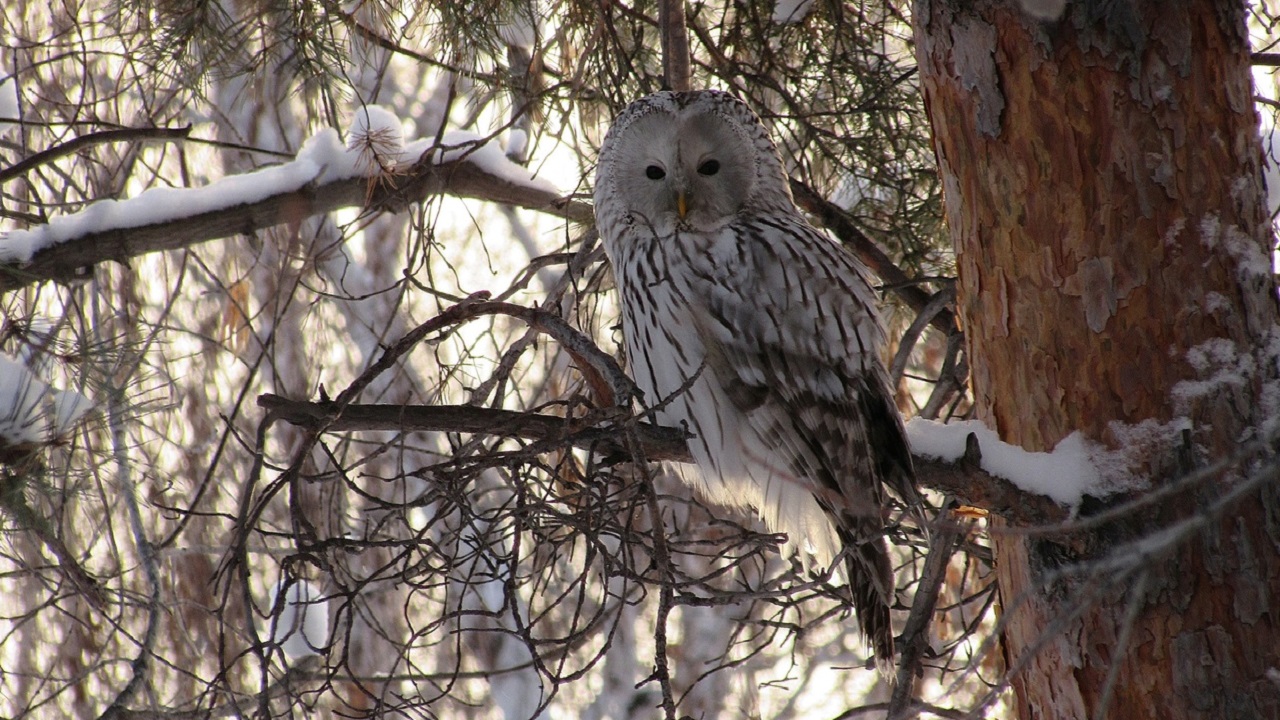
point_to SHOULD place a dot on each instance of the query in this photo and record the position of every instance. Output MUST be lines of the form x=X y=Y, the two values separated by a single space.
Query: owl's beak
x=682 y=205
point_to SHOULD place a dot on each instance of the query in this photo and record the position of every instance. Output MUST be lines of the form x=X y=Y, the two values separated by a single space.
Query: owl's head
x=690 y=160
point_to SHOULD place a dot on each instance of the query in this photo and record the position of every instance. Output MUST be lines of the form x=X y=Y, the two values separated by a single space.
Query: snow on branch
x=32 y=413
x=1065 y=475
x=376 y=173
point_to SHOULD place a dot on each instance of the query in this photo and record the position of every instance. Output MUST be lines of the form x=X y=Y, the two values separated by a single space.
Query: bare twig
x=936 y=304
x=952 y=378
x=1137 y=600
x=140 y=666
x=81 y=142
x=915 y=635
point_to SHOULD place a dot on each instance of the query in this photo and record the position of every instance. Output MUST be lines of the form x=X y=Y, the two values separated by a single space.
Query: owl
x=756 y=333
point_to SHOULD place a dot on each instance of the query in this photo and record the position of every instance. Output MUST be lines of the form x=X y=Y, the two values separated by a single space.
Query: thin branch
x=140 y=666
x=915 y=635
x=838 y=222
x=99 y=138
x=936 y=304
x=660 y=443
x=1137 y=601
x=375 y=38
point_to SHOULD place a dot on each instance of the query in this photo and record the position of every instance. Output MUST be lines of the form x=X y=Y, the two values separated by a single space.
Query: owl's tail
x=871 y=585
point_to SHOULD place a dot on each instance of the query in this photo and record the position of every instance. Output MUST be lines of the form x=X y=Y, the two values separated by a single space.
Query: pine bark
x=1103 y=185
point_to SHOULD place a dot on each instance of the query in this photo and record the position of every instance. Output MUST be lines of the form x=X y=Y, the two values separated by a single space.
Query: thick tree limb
x=460 y=178
x=969 y=485
x=976 y=488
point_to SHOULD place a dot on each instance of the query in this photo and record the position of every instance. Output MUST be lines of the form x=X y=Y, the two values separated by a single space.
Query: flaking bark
x=1104 y=192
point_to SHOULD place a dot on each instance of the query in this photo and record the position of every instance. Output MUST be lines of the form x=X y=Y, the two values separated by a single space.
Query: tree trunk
x=1104 y=191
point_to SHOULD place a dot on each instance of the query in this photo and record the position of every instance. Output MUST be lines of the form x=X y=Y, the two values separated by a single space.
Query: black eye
x=653 y=172
x=709 y=167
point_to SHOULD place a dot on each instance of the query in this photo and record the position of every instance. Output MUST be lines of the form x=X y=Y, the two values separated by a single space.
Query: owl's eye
x=709 y=167
x=653 y=172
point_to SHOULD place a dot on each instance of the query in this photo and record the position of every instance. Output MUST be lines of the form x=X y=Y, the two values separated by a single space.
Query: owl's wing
x=793 y=338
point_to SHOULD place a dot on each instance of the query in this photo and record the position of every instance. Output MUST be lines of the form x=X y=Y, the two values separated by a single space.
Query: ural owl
x=756 y=332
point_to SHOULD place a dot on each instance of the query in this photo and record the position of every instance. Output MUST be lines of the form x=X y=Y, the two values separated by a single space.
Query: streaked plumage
x=724 y=281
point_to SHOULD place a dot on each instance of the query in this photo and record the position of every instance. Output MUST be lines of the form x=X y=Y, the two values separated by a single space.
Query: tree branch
x=659 y=443
x=976 y=488
x=83 y=141
x=838 y=222
x=969 y=485
x=915 y=634
x=64 y=262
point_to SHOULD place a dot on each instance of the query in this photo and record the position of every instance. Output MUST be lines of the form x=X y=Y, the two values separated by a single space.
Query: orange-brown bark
x=1103 y=188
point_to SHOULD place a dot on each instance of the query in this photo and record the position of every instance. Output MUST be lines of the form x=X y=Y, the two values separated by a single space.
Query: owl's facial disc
x=713 y=181
x=688 y=176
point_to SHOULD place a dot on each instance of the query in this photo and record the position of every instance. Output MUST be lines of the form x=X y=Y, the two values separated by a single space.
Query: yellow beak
x=682 y=205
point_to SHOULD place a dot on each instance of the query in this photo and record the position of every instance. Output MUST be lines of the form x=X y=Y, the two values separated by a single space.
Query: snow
x=787 y=12
x=30 y=410
x=1065 y=475
x=488 y=156
x=1216 y=303
x=302 y=627
x=1252 y=263
x=1219 y=365
x=375 y=120
x=8 y=104
x=377 y=145
x=1137 y=445
x=517 y=144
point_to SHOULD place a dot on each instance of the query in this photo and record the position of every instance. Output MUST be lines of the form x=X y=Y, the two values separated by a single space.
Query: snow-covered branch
x=325 y=176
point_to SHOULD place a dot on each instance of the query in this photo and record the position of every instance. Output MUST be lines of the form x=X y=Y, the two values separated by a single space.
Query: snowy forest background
x=225 y=221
